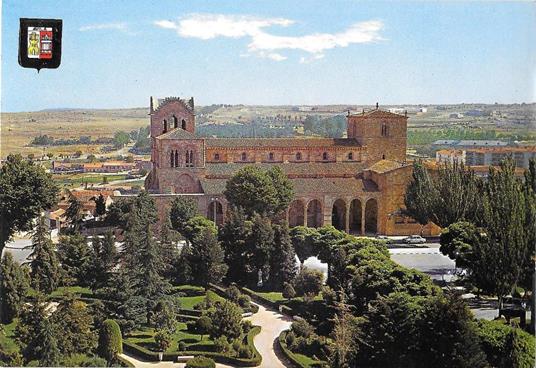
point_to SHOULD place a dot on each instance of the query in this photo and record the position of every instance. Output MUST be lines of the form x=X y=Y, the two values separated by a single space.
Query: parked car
x=385 y=238
x=415 y=239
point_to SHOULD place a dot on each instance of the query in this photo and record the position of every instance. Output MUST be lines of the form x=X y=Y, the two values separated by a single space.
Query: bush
x=200 y=362
x=288 y=291
x=203 y=325
x=163 y=340
x=222 y=345
x=302 y=328
x=246 y=326
x=226 y=320
x=82 y=360
x=244 y=301
x=308 y=282
x=290 y=338
x=506 y=346
x=191 y=326
x=245 y=352
x=237 y=345
x=110 y=340
x=233 y=293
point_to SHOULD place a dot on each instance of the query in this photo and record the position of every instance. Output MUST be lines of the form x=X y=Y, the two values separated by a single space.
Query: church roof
x=280 y=142
x=303 y=169
x=303 y=186
x=377 y=113
x=384 y=166
x=178 y=133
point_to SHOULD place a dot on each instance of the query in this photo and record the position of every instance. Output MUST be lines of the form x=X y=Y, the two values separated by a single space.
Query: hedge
x=285 y=309
x=291 y=357
x=149 y=355
x=200 y=362
x=110 y=340
x=124 y=362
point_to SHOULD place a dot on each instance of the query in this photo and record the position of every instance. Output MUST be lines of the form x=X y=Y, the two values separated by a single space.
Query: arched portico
x=338 y=214
x=371 y=216
x=314 y=214
x=355 y=217
x=215 y=212
x=185 y=184
x=296 y=213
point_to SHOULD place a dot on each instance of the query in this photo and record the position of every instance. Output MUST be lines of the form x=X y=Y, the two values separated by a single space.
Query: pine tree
x=36 y=333
x=44 y=265
x=261 y=245
x=100 y=205
x=234 y=236
x=206 y=259
x=182 y=210
x=74 y=214
x=420 y=195
x=75 y=257
x=73 y=319
x=13 y=289
x=149 y=267
x=283 y=258
x=168 y=246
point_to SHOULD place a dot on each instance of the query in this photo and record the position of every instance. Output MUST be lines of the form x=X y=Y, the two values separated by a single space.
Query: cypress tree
x=207 y=259
x=234 y=236
x=76 y=258
x=261 y=245
x=283 y=259
x=14 y=287
x=44 y=265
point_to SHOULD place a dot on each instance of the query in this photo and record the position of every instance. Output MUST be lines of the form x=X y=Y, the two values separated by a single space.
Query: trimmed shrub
x=181 y=346
x=302 y=328
x=244 y=301
x=191 y=326
x=222 y=345
x=203 y=325
x=110 y=340
x=245 y=352
x=162 y=339
x=506 y=346
x=200 y=362
x=246 y=326
x=233 y=293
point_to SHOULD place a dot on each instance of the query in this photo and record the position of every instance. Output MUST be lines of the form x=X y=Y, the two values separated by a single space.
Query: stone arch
x=355 y=216
x=215 y=212
x=338 y=214
x=371 y=216
x=314 y=213
x=165 y=126
x=183 y=124
x=185 y=184
x=175 y=122
x=296 y=213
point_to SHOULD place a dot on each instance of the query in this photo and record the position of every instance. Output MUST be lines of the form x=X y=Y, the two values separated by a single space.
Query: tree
x=234 y=236
x=36 y=333
x=283 y=258
x=226 y=320
x=182 y=210
x=420 y=195
x=118 y=213
x=261 y=245
x=256 y=191
x=206 y=258
x=44 y=265
x=288 y=291
x=163 y=339
x=345 y=336
x=164 y=317
x=110 y=341
x=104 y=260
x=302 y=238
x=74 y=213
x=14 y=287
x=308 y=282
x=457 y=242
x=121 y=139
x=100 y=205
x=507 y=246
x=168 y=238
x=25 y=190
x=197 y=225
x=73 y=319
x=76 y=258
x=203 y=325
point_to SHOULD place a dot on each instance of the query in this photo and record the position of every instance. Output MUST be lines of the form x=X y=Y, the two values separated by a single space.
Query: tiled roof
x=177 y=133
x=302 y=186
x=280 y=142
x=377 y=113
x=383 y=166
x=317 y=169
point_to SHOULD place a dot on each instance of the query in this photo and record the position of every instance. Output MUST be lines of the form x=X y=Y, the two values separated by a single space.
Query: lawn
x=64 y=290
x=145 y=338
x=7 y=339
x=188 y=302
x=277 y=297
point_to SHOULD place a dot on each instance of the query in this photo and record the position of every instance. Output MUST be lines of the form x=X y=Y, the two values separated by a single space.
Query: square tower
x=382 y=132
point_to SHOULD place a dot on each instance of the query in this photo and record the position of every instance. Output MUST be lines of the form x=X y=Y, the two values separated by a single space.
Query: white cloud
x=266 y=45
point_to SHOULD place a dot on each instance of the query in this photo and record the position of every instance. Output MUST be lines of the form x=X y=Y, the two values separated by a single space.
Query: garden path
x=272 y=323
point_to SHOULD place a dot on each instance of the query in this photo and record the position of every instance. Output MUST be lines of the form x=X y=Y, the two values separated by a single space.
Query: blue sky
x=118 y=53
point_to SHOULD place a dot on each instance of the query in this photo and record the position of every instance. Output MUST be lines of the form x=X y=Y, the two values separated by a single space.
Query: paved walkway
x=272 y=324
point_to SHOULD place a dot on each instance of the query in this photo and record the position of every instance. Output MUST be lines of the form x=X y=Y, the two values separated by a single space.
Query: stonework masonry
x=356 y=183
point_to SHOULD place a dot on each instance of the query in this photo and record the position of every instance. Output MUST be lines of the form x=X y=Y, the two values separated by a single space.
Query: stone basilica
x=356 y=183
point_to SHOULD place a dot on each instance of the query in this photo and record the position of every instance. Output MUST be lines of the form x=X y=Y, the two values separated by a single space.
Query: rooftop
x=280 y=142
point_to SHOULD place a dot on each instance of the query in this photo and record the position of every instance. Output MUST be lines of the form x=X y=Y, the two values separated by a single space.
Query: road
x=427 y=258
